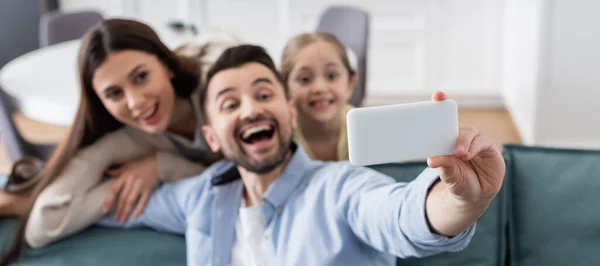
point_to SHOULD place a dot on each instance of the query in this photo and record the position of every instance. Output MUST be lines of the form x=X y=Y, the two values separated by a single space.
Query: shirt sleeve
x=390 y=216
x=164 y=211
x=170 y=205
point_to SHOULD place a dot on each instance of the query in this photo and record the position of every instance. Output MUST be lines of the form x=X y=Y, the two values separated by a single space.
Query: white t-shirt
x=249 y=232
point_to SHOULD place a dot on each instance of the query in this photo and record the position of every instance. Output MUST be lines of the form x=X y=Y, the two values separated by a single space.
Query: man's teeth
x=255 y=129
x=148 y=113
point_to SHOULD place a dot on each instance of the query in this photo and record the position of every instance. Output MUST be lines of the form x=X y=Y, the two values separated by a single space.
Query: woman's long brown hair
x=92 y=120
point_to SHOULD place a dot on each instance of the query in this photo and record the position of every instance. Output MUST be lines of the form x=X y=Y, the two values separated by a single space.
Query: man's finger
x=464 y=140
x=439 y=96
x=479 y=145
x=109 y=201
x=446 y=167
x=440 y=161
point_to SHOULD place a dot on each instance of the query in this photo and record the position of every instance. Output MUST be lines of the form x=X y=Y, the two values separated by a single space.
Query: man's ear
x=293 y=113
x=210 y=137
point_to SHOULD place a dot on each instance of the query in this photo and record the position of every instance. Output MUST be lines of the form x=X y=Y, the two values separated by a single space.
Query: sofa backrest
x=547 y=213
x=554 y=206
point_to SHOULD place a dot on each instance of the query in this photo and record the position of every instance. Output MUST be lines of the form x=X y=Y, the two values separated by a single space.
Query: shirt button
x=262 y=202
x=266 y=236
x=279 y=208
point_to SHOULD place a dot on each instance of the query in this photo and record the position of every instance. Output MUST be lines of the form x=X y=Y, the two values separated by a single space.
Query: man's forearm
x=448 y=216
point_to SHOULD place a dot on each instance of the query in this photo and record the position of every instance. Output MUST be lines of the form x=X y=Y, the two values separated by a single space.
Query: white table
x=45 y=85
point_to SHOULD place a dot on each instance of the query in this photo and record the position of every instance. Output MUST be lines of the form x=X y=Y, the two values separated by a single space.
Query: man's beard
x=244 y=160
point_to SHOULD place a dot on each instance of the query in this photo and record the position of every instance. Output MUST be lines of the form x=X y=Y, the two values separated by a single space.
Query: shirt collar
x=280 y=190
x=289 y=180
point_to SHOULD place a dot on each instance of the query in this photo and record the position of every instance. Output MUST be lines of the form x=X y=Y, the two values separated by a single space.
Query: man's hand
x=470 y=179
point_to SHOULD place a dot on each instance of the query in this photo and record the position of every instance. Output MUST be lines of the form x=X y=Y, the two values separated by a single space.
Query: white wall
x=416 y=46
x=520 y=64
x=568 y=101
x=539 y=58
x=551 y=71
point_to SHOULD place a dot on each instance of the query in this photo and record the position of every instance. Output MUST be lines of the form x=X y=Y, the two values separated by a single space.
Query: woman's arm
x=173 y=167
x=137 y=179
x=77 y=198
x=170 y=164
x=74 y=200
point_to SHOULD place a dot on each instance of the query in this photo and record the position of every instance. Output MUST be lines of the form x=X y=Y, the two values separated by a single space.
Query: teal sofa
x=547 y=213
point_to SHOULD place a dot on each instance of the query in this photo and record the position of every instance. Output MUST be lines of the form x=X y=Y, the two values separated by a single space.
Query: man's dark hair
x=236 y=57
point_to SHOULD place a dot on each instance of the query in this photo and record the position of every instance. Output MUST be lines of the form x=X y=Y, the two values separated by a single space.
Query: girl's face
x=135 y=87
x=319 y=83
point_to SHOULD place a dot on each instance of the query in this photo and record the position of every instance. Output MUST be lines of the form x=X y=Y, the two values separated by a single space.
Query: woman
x=138 y=111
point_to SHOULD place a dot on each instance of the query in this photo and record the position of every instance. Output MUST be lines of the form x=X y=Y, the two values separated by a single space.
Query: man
x=269 y=204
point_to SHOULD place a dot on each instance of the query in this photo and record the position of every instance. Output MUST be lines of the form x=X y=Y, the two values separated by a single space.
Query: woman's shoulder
x=113 y=138
x=114 y=141
x=158 y=140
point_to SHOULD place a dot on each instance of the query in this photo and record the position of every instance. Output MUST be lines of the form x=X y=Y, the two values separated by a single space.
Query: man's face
x=249 y=118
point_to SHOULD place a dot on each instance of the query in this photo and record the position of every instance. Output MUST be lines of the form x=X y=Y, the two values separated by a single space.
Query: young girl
x=139 y=110
x=320 y=80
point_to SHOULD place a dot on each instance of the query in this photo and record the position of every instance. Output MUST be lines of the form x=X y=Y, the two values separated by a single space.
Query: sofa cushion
x=554 y=207
x=488 y=246
x=104 y=246
x=109 y=246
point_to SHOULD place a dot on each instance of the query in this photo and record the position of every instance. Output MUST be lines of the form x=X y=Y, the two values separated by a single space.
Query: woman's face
x=136 y=89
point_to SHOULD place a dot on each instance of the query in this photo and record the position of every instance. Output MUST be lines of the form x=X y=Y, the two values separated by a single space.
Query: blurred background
x=522 y=71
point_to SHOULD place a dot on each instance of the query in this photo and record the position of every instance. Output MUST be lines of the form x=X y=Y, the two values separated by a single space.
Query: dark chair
x=57 y=27
x=13 y=142
x=352 y=27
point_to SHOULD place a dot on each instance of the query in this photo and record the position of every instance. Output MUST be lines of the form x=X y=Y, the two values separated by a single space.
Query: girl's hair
x=298 y=43
x=92 y=120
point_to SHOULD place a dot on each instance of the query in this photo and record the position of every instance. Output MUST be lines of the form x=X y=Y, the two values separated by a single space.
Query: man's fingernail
x=460 y=148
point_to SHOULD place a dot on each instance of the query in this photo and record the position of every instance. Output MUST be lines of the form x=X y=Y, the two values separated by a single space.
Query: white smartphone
x=402 y=132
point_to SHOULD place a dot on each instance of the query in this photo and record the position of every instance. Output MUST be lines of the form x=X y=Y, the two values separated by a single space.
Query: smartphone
x=402 y=132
